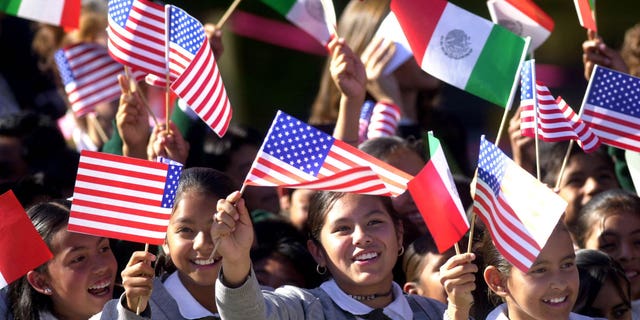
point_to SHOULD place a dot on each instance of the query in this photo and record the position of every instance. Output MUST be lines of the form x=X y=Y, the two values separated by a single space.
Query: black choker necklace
x=372 y=296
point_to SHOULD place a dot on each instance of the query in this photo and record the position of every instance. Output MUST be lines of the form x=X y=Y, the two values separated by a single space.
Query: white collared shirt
x=500 y=313
x=398 y=309
x=188 y=306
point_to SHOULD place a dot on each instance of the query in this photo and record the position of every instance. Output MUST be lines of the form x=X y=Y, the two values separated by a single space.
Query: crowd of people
x=279 y=253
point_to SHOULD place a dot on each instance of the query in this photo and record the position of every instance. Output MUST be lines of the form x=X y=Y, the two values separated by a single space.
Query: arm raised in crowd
x=132 y=121
x=168 y=144
x=595 y=51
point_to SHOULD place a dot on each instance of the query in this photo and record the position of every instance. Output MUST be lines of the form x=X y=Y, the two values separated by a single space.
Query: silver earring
x=401 y=251
x=47 y=291
x=321 y=270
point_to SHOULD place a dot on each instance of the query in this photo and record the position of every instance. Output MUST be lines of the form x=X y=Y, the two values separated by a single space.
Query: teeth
x=100 y=285
x=631 y=274
x=203 y=262
x=556 y=300
x=366 y=256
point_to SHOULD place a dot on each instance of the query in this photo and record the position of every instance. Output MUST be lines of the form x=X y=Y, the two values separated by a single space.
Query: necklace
x=372 y=296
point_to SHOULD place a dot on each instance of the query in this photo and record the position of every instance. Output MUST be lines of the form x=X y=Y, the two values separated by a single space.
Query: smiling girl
x=184 y=287
x=548 y=290
x=356 y=239
x=76 y=283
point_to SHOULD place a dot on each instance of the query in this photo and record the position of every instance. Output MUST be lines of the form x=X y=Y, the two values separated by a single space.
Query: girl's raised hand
x=232 y=234
x=458 y=278
x=137 y=279
x=347 y=70
x=168 y=144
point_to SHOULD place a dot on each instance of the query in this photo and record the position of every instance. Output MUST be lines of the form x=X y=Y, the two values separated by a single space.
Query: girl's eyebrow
x=77 y=248
x=569 y=256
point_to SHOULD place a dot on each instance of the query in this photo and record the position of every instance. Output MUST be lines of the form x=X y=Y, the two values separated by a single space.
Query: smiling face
x=360 y=244
x=549 y=289
x=189 y=242
x=618 y=235
x=81 y=274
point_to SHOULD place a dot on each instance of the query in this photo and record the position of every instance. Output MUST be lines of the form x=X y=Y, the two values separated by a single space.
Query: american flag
x=612 y=108
x=295 y=153
x=199 y=82
x=89 y=76
x=384 y=120
x=136 y=37
x=519 y=222
x=123 y=198
x=556 y=121
x=21 y=246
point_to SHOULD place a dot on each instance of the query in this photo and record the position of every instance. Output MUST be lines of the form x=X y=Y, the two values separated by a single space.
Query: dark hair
x=493 y=257
x=603 y=205
x=413 y=260
x=595 y=269
x=277 y=237
x=198 y=179
x=554 y=153
x=383 y=147
x=48 y=218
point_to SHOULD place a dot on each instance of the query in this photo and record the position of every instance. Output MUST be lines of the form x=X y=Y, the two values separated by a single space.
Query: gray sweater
x=249 y=302
x=161 y=307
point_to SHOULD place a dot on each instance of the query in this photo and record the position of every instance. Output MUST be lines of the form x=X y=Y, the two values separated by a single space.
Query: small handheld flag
x=21 y=247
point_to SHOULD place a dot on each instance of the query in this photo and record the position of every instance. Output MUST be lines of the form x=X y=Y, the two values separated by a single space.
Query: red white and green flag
x=21 y=247
x=462 y=49
x=65 y=13
x=316 y=17
x=587 y=13
x=434 y=193
x=524 y=18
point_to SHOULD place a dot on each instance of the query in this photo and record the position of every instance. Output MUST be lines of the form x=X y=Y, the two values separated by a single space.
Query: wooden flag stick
x=138 y=311
x=217 y=243
x=227 y=14
x=134 y=89
x=167 y=88
x=457 y=248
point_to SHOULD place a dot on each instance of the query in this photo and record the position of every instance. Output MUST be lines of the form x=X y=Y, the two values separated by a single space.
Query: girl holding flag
x=354 y=238
x=186 y=271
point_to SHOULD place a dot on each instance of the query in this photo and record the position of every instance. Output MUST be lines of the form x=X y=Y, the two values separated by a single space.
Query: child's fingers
x=458 y=259
x=139 y=256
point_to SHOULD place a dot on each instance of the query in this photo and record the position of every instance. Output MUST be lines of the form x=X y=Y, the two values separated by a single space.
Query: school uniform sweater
x=162 y=306
x=288 y=302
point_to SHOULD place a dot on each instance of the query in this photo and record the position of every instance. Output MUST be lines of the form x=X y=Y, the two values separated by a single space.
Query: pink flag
x=586 y=14
x=199 y=82
x=295 y=154
x=89 y=75
x=21 y=247
x=123 y=198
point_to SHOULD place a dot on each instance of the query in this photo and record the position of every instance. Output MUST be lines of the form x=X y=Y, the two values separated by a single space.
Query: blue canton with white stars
x=297 y=143
x=491 y=165
x=63 y=67
x=526 y=81
x=615 y=91
x=171 y=185
x=185 y=30
x=119 y=11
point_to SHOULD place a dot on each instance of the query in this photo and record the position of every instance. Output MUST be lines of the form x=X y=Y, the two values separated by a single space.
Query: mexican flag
x=434 y=193
x=462 y=49
x=21 y=247
x=522 y=17
x=316 y=17
x=65 y=13
x=587 y=13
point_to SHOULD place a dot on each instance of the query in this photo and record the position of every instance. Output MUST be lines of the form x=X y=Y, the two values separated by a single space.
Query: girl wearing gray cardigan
x=354 y=238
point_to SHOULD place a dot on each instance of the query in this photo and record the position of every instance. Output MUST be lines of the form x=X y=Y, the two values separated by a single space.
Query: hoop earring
x=321 y=270
x=401 y=251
